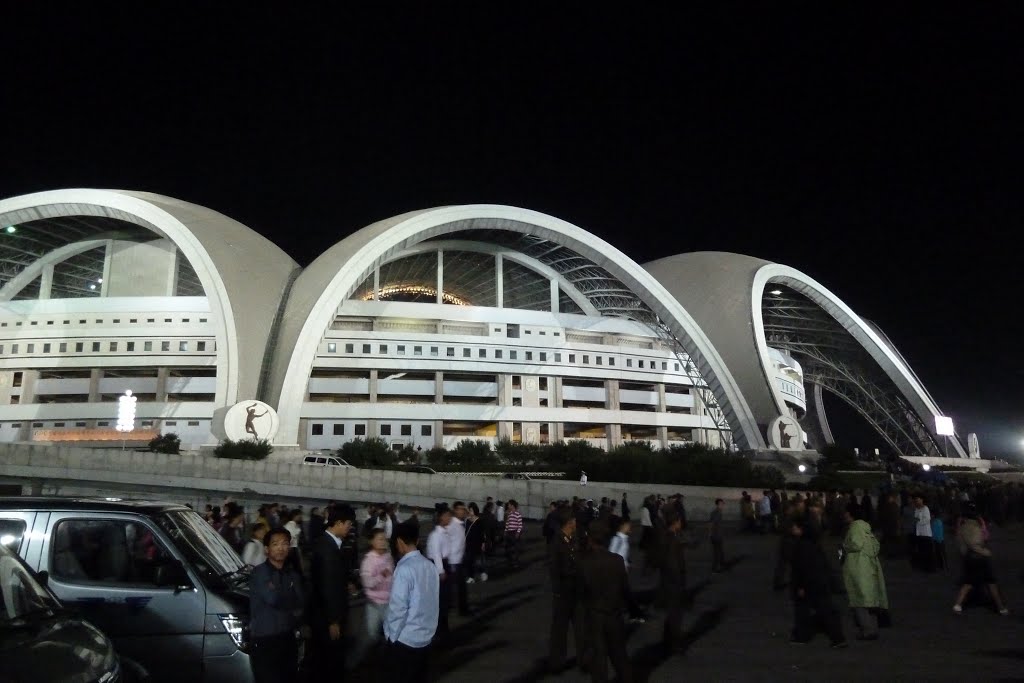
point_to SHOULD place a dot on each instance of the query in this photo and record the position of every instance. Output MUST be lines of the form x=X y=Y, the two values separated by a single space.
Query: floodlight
x=944 y=425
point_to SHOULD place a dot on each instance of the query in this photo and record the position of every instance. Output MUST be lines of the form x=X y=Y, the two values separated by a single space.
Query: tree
x=165 y=443
x=372 y=452
x=244 y=449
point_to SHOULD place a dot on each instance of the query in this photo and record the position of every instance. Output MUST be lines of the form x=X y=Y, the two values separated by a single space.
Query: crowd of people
x=307 y=568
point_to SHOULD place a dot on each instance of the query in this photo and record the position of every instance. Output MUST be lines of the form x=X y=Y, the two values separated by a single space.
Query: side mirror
x=172 y=573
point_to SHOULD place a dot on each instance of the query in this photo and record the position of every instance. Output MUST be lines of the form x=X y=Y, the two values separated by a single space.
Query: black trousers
x=444 y=600
x=512 y=550
x=811 y=611
x=408 y=664
x=717 y=555
x=461 y=590
x=566 y=608
x=675 y=602
x=274 y=659
x=328 y=656
x=608 y=641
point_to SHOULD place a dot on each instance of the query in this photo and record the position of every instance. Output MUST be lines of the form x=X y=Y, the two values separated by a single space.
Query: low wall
x=79 y=471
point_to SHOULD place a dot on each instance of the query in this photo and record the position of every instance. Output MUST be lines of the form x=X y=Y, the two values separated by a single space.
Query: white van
x=325 y=461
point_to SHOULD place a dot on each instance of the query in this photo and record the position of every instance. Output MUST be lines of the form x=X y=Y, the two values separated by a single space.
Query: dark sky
x=879 y=150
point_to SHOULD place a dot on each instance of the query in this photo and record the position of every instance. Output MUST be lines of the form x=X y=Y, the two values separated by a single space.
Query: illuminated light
x=92 y=286
x=7 y=539
x=126 y=412
x=99 y=280
x=775 y=292
x=10 y=229
x=112 y=500
x=926 y=467
x=417 y=290
x=802 y=468
x=944 y=425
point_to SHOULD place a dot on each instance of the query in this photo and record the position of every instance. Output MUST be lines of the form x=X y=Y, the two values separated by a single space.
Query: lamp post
x=126 y=415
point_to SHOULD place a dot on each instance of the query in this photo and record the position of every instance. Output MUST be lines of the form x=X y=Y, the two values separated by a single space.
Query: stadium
x=477 y=321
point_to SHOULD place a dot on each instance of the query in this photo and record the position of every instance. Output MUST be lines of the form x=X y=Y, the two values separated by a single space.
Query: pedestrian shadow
x=696 y=589
x=648 y=658
x=453 y=661
x=537 y=671
x=732 y=562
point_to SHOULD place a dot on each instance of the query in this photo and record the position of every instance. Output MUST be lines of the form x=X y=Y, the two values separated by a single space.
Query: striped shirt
x=514 y=523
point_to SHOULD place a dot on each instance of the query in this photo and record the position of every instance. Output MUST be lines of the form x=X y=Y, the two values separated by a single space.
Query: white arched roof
x=331 y=279
x=244 y=275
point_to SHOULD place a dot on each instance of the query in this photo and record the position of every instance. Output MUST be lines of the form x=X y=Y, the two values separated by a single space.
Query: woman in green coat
x=862 y=574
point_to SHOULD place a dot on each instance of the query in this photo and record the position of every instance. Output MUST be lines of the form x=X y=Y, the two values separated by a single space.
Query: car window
x=332 y=461
x=106 y=551
x=309 y=459
x=321 y=461
x=20 y=593
x=11 y=533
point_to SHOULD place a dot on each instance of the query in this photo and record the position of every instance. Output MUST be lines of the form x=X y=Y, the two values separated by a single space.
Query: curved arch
x=31 y=272
x=349 y=262
x=893 y=365
x=522 y=259
x=220 y=250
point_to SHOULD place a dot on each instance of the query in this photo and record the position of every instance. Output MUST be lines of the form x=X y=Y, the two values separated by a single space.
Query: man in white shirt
x=456 y=554
x=764 y=511
x=583 y=479
x=923 y=551
x=438 y=552
x=294 y=527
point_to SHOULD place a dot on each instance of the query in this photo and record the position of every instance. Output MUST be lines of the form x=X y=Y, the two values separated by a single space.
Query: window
x=611 y=361
x=106 y=551
x=542 y=333
x=339 y=430
x=165 y=346
x=147 y=346
x=62 y=347
x=558 y=334
x=385 y=430
x=82 y=424
x=451 y=351
x=148 y=320
x=113 y=346
x=664 y=365
x=100 y=322
x=482 y=353
x=366 y=348
x=426 y=430
x=640 y=364
x=58 y=424
x=383 y=348
x=117 y=320
x=169 y=423
x=30 y=348
x=201 y=346
x=12 y=531
x=406 y=430
x=417 y=350
x=629 y=362
x=513 y=355
x=95 y=347
x=529 y=355
x=677 y=366
x=543 y=357
x=193 y=423
x=401 y=349
x=34 y=322
x=49 y=322
x=14 y=348
x=318 y=429
x=572 y=357
x=433 y=350
x=145 y=423
x=466 y=353
x=79 y=347
x=331 y=347
x=360 y=430
x=15 y=399
x=184 y=320
x=202 y=320
x=599 y=360
x=350 y=348
x=542 y=384
x=166 y=320
x=46 y=348
x=529 y=331
x=1 y=348
x=586 y=360
x=558 y=358
x=133 y=320
x=497 y=353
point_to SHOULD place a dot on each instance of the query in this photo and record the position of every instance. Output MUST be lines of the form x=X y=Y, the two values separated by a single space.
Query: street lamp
x=926 y=467
x=802 y=468
x=126 y=414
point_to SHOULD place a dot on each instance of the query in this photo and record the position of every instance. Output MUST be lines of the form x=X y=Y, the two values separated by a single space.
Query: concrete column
x=46 y=282
x=161 y=384
x=611 y=394
x=697 y=435
x=439 y=388
x=28 y=385
x=440 y=276
x=505 y=430
x=662 y=404
x=554 y=295
x=108 y=255
x=663 y=436
x=95 y=375
x=373 y=386
x=499 y=281
x=555 y=388
x=614 y=435
x=373 y=430
x=376 y=283
x=438 y=433
x=531 y=432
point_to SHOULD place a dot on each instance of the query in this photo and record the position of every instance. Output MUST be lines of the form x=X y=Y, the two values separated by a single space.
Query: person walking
x=275 y=610
x=294 y=527
x=673 y=580
x=604 y=588
x=475 y=540
x=456 y=556
x=811 y=590
x=977 y=561
x=255 y=553
x=715 y=534
x=923 y=548
x=862 y=573
x=583 y=478
x=375 y=573
x=437 y=552
x=513 y=533
x=565 y=594
x=624 y=507
x=413 y=608
x=328 y=616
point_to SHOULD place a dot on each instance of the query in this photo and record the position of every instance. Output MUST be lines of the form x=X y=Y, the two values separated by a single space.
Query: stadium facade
x=424 y=329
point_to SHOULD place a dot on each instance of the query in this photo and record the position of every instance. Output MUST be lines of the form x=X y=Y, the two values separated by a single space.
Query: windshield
x=204 y=547
x=20 y=593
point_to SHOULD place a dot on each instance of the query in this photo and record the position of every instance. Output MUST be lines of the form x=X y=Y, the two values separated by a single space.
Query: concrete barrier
x=79 y=471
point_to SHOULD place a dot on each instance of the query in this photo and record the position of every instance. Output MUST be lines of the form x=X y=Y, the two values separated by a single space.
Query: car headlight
x=236 y=628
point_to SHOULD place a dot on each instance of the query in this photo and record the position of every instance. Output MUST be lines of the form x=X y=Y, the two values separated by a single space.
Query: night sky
x=878 y=150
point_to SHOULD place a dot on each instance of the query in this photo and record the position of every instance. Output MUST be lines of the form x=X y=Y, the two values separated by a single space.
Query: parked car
x=422 y=469
x=520 y=476
x=166 y=588
x=40 y=640
x=325 y=461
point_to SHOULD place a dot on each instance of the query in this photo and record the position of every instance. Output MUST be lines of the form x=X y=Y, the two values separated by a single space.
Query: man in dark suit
x=605 y=598
x=673 y=579
x=328 y=612
x=565 y=586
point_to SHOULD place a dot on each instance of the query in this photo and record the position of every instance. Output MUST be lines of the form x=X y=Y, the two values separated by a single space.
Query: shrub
x=471 y=455
x=245 y=449
x=372 y=452
x=165 y=443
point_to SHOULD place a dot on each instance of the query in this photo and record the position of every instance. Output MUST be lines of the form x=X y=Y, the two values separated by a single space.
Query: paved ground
x=738 y=627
